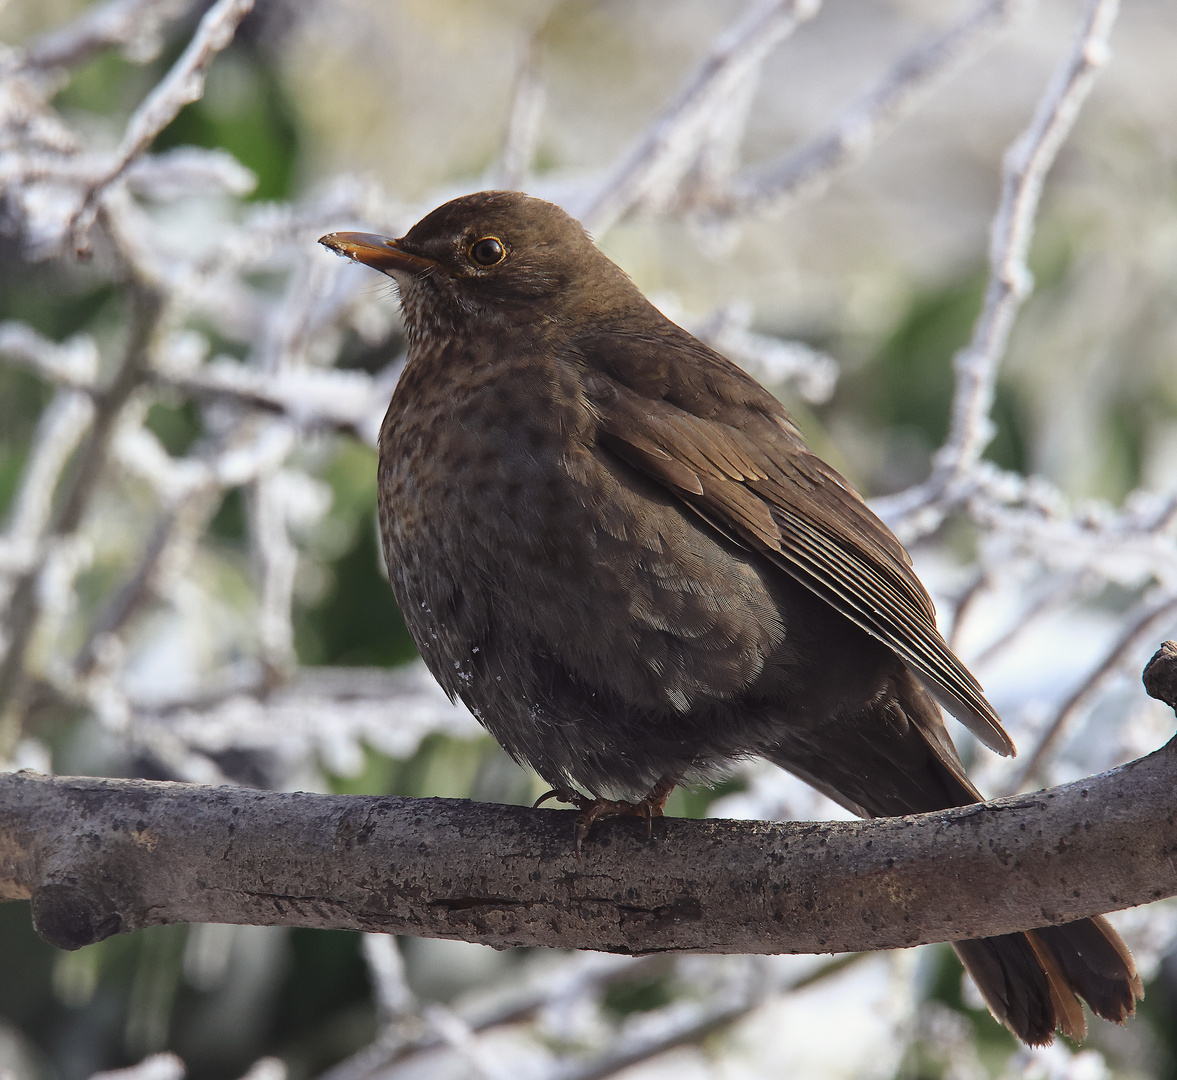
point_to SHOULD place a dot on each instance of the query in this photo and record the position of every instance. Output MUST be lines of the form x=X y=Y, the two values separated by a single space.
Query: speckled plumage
x=614 y=546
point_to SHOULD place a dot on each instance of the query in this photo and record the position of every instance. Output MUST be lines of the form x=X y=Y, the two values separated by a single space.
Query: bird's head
x=495 y=255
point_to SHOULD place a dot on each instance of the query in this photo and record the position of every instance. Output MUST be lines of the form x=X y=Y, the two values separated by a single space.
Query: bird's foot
x=592 y=809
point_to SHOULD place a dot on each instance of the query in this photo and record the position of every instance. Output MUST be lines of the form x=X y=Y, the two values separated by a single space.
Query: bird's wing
x=728 y=449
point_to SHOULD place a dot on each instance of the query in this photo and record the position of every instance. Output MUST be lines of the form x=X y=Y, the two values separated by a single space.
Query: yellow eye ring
x=489 y=251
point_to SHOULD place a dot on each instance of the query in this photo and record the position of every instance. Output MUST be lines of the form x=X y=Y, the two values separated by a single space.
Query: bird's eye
x=488 y=251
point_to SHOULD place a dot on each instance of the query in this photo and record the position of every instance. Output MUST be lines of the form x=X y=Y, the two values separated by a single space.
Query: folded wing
x=748 y=473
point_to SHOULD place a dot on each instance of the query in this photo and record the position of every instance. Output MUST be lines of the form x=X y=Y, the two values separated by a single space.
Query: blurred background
x=190 y=582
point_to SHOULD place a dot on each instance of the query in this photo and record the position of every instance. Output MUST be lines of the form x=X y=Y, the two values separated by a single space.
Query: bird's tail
x=1032 y=982
x=900 y=760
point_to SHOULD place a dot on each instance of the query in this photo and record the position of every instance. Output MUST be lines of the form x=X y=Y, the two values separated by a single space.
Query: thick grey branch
x=102 y=856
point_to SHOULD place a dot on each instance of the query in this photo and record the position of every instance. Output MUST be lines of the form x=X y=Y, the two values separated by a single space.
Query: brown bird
x=613 y=545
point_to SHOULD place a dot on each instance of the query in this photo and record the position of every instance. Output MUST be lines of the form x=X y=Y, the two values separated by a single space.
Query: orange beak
x=378 y=252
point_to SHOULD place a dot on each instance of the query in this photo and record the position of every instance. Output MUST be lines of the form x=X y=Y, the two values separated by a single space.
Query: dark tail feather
x=897 y=758
x=1097 y=965
x=1032 y=982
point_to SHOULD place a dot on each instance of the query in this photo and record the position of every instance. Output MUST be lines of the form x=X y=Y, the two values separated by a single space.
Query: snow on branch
x=99 y=489
x=662 y=156
x=182 y=85
x=811 y=167
x=1026 y=164
x=135 y=26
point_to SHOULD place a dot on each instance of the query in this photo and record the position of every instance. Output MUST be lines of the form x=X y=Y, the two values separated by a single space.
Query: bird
x=614 y=546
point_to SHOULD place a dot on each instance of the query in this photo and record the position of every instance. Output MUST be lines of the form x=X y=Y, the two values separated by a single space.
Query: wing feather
x=743 y=468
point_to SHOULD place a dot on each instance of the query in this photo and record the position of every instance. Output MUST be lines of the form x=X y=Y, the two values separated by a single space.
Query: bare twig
x=155 y=1067
x=147 y=314
x=584 y=975
x=1049 y=600
x=694 y=1025
x=810 y=168
x=309 y=398
x=275 y=560
x=61 y=427
x=176 y=526
x=69 y=363
x=21 y=617
x=813 y=374
x=134 y=25
x=386 y=969
x=669 y=147
x=1026 y=164
x=389 y=711
x=1155 y=617
x=523 y=121
x=182 y=85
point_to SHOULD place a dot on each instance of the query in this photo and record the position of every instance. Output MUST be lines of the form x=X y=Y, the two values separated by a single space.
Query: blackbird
x=613 y=545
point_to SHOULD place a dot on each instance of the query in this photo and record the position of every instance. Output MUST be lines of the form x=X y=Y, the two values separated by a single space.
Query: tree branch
x=136 y=26
x=99 y=857
x=182 y=85
x=811 y=167
x=1025 y=166
x=671 y=144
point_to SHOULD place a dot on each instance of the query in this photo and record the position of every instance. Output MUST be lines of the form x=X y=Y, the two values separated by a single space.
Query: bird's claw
x=591 y=809
x=648 y=808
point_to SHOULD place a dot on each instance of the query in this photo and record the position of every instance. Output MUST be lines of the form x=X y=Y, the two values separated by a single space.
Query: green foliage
x=109 y=86
x=325 y=1010
x=695 y=802
x=994 y=1042
x=909 y=383
x=22 y=397
x=638 y=995
x=27 y=1001
x=911 y=379
x=128 y=996
x=244 y=111
x=228 y=523
x=177 y=426
x=357 y=620
x=1158 y=1009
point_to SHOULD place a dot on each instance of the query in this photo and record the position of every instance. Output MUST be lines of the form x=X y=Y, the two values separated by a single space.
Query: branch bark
x=98 y=857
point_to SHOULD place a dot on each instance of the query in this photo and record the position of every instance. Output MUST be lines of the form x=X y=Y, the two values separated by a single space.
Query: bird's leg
x=649 y=808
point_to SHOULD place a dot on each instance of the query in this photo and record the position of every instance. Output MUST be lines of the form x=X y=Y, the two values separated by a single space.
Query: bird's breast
x=474 y=448
x=508 y=530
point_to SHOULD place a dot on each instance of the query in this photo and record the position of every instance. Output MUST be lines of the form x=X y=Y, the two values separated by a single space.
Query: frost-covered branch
x=1027 y=162
x=182 y=85
x=111 y=574
x=527 y=106
x=1153 y=617
x=808 y=169
x=135 y=26
x=670 y=146
x=23 y=612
